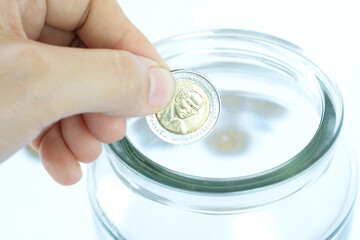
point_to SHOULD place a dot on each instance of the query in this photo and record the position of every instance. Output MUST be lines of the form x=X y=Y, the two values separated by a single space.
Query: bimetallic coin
x=188 y=111
x=193 y=112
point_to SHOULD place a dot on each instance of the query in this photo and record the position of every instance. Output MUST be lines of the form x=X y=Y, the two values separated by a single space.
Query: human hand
x=64 y=89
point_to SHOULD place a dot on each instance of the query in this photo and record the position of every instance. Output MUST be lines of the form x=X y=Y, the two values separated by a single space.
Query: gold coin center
x=188 y=110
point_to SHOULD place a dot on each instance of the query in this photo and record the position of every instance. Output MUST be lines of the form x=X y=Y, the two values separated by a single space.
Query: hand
x=64 y=89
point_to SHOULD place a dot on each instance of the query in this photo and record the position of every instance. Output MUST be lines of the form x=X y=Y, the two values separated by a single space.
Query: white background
x=32 y=206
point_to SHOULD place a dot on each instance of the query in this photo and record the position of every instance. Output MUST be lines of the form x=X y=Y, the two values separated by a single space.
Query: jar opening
x=280 y=115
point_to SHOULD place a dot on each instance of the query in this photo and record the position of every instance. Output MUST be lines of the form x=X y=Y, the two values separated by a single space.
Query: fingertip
x=162 y=87
x=57 y=159
x=91 y=153
x=106 y=129
x=72 y=178
x=85 y=147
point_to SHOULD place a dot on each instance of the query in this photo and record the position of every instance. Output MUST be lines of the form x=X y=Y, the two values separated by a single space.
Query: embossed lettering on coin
x=188 y=111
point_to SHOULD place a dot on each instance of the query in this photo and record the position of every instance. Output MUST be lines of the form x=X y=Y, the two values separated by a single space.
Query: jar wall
x=275 y=167
x=313 y=212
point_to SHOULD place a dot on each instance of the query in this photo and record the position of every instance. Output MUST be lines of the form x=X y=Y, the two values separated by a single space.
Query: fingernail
x=162 y=87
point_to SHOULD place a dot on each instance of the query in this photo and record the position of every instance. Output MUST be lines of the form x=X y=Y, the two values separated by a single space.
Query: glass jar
x=276 y=165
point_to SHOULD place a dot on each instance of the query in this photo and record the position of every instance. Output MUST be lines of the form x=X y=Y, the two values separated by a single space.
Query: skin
x=70 y=73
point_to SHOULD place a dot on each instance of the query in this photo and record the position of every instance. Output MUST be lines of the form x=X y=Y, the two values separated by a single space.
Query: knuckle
x=28 y=61
x=129 y=74
x=22 y=74
x=128 y=87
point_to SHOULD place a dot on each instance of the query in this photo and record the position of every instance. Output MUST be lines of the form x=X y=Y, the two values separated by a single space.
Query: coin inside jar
x=193 y=112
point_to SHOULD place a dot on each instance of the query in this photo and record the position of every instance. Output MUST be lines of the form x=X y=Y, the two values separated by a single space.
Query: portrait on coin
x=188 y=111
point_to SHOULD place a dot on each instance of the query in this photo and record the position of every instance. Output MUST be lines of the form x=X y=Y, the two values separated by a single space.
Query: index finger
x=100 y=24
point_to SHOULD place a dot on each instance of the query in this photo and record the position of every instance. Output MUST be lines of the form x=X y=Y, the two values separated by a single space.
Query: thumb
x=113 y=82
x=41 y=84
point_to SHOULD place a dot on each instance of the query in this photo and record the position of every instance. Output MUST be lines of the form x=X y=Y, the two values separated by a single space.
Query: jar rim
x=312 y=153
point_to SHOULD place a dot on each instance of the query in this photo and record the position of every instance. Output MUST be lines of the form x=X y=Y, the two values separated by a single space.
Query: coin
x=193 y=112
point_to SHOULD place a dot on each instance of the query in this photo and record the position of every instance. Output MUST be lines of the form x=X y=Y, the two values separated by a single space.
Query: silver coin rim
x=206 y=128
